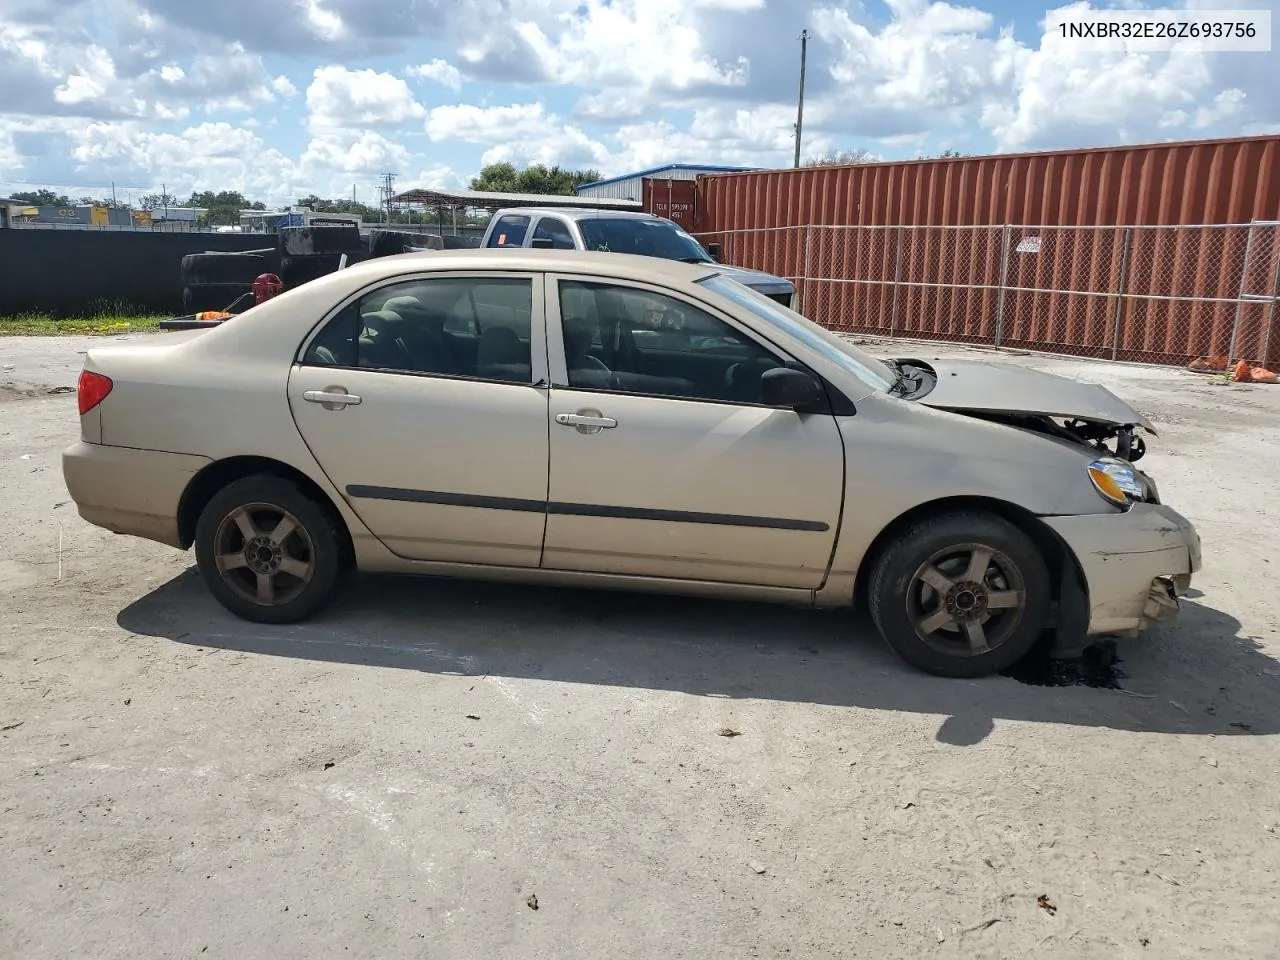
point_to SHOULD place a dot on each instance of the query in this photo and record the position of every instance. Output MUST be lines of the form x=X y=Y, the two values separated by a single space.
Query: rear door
x=424 y=401
x=663 y=461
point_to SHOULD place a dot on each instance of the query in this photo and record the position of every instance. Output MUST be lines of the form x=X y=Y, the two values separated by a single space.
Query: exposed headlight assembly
x=1116 y=482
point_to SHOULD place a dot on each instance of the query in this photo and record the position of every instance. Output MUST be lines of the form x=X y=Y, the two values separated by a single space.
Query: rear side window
x=474 y=327
x=555 y=230
x=509 y=231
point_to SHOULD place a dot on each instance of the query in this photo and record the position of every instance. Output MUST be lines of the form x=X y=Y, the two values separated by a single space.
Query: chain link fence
x=1163 y=294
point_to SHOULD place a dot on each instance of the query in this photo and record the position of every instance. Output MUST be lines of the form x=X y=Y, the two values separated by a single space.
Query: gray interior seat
x=501 y=356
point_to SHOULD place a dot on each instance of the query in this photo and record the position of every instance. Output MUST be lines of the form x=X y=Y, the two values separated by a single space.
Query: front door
x=424 y=401
x=663 y=461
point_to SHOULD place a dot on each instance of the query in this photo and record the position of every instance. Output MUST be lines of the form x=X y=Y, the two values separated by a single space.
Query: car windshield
x=840 y=352
x=647 y=238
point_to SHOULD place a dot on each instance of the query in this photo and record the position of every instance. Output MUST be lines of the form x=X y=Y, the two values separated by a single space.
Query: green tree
x=158 y=201
x=350 y=207
x=223 y=207
x=42 y=198
x=947 y=154
x=540 y=179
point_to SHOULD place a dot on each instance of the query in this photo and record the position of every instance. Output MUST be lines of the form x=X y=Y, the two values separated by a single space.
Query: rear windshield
x=647 y=238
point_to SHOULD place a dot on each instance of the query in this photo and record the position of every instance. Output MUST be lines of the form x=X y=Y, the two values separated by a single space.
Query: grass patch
x=43 y=325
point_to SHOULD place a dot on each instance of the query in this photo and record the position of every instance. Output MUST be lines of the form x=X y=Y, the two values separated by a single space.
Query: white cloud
x=439 y=177
x=638 y=46
x=96 y=75
x=367 y=154
x=474 y=124
x=650 y=82
x=217 y=156
x=1065 y=97
x=340 y=98
x=441 y=71
x=54 y=69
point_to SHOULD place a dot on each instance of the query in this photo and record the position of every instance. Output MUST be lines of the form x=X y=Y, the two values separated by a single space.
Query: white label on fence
x=1029 y=245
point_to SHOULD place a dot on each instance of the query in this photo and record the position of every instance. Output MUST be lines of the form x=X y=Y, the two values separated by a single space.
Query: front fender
x=901 y=458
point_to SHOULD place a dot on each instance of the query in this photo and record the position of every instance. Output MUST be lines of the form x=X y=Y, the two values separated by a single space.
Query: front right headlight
x=1116 y=481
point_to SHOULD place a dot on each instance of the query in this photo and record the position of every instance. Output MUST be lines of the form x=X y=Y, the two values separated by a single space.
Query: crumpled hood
x=984 y=386
x=753 y=278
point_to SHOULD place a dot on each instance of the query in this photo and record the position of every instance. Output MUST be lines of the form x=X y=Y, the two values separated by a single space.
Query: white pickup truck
x=613 y=231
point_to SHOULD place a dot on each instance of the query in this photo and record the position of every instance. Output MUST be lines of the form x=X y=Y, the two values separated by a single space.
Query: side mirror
x=716 y=251
x=787 y=387
x=542 y=243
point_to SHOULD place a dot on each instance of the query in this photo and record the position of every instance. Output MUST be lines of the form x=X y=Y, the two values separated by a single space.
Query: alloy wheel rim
x=264 y=554
x=966 y=599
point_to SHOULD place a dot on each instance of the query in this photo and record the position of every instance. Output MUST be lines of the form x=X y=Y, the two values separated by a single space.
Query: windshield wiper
x=695 y=260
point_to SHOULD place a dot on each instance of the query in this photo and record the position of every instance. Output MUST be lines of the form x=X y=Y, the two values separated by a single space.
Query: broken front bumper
x=1135 y=564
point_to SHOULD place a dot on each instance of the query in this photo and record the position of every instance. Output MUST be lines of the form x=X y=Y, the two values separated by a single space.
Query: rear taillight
x=92 y=390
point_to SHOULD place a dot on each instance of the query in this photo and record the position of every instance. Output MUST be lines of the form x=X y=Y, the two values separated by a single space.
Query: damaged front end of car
x=1133 y=561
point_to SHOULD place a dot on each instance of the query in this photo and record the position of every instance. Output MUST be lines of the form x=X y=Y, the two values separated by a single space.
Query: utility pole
x=113 y=193
x=388 y=189
x=804 y=51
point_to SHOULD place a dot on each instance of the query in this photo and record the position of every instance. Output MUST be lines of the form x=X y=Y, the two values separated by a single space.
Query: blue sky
x=281 y=98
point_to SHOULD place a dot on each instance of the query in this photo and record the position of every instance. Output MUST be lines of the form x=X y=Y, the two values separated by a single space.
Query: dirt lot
x=401 y=777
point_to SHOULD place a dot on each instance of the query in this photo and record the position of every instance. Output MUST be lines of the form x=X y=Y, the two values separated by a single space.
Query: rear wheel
x=961 y=595
x=268 y=552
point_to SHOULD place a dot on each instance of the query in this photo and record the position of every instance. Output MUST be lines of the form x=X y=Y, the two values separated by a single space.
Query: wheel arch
x=205 y=484
x=1058 y=556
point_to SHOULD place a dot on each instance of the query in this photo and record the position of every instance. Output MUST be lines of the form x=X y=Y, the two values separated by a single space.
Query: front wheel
x=961 y=595
x=268 y=552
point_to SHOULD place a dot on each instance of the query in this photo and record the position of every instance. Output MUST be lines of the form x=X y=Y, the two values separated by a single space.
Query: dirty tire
x=904 y=606
x=295 y=271
x=316 y=544
x=214 y=296
x=320 y=239
x=207 y=268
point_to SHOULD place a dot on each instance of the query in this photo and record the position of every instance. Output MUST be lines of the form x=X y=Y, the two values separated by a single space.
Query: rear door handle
x=335 y=398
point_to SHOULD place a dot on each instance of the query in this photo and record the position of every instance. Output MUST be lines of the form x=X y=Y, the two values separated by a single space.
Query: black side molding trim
x=365 y=492
x=682 y=516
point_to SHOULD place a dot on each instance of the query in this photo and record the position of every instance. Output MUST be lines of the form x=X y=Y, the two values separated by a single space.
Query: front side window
x=474 y=327
x=555 y=230
x=640 y=341
x=509 y=231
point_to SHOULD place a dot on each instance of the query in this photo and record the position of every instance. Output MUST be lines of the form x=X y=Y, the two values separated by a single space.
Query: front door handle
x=588 y=421
x=332 y=398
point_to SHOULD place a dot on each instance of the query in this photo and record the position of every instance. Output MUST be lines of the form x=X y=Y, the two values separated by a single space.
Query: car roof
x=578 y=213
x=624 y=266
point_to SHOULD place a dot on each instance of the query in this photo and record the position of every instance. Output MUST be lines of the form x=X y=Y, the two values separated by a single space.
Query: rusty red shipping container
x=1204 y=181
x=943 y=283
x=673 y=199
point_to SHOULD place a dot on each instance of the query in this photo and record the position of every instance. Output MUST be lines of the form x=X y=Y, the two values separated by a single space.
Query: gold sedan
x=515 y=415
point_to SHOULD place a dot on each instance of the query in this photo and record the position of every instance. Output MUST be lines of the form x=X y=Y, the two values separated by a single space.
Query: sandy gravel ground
x=401 y=777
